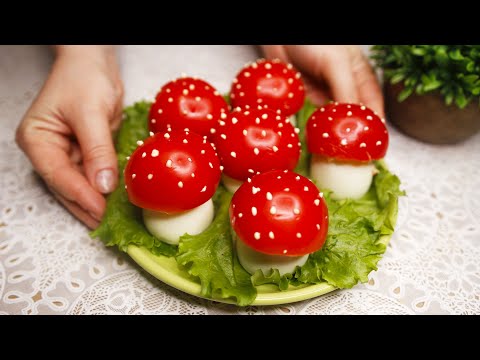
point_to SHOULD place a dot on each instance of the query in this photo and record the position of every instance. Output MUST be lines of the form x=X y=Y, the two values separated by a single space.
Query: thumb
x=99 y=158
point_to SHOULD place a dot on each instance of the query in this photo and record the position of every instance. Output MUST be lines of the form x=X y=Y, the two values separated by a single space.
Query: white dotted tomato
x=172 y=172
x=349 y=132
x=186 y=103
x=344 y=139
x=270 y=83
x=254 y=141
x=280 y=213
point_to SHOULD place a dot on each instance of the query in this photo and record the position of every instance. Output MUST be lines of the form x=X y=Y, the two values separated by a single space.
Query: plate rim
x=146 y=260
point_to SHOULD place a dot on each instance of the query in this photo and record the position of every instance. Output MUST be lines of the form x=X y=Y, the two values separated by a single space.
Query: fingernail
x=95 y=216
x=105 y=181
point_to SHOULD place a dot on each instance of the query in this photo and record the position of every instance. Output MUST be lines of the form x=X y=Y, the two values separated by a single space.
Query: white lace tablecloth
x=49 y=265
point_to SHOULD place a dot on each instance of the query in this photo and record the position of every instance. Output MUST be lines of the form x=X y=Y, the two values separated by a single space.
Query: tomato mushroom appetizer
x=279 y=218
x=188 y=104
x=344 y=140
x=172 y=176
x=269 y=83
x=254 y=141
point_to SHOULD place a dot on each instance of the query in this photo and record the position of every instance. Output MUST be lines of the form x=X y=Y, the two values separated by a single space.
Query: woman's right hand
x=66 y=132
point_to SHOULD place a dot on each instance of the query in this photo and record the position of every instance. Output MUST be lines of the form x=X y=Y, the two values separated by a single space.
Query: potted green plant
x=432 y=92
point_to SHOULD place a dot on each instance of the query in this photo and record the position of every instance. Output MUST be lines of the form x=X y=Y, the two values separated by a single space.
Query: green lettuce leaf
x=122 y=224
x=302 y=118
x=210 y=257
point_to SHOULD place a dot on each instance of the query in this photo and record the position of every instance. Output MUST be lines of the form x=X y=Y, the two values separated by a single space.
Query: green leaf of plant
x=405 y=93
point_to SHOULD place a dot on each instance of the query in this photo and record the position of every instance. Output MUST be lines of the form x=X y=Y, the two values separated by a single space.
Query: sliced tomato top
x=186 y=103
x=280 y=213
x=350 y=132
x=172 y=172
x=269 y=83
x=254 y=141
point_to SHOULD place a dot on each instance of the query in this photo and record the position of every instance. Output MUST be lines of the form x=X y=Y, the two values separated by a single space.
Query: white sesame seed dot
x=275 y=149
x=221 y=167
x=289 y=146
x=254 y=211
x=369 y=117
x=269 y=76
x=169 y=163
x=233 y=154
x=185 y=92
x=378 y=143
x=322 y=109
x=269 y=195
x=349 y=113
x=154 y=121
x=223 y=136
x=151 y=133
x=362 y=145
x=256 y=151
x=139 y=142
x=279 y=177
x=273 y=210
x=149 y=176
x=290 y=95
x=223 y=115
x=299 y=235
x=305 y=188
x=240 y=215
x=296 y=211
x=155 y=153
x=160 y=111
x=197 y=98
x=255 y=190
x=166 y=136
x=204 y=189
x=180 y=184
x=343 y=142
x=321 y=194
x=297 y=131
x=285 y=251
x=264 y=133
x=271 y=235
x=144 y=154
x=318 y=226
x=242 y=93
x=127 y=158
x=247 y=74
x=325 y=135
x=192 y=175
x=366 y=128
x=256 y=235
x=265 y=116
x=316 y=202
x=212 y=131
x=362 y=107
x=133 y=176
x=210 y=164
x=209 y=116
x=348 y=130
x=170 y=100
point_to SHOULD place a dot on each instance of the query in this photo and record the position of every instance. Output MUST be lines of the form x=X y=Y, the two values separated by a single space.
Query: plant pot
x=429 y=119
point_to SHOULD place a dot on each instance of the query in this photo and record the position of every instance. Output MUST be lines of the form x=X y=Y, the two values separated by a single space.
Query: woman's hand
x=66 y=132
x=332 y=72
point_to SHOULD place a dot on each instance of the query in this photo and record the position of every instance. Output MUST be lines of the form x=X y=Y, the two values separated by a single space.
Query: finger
x=368 y=87
x=333 y=67
x=77 y=211
x=99 y=157
x=275 y=52
x=53 y=164
x=339 y=78
x=315 y=91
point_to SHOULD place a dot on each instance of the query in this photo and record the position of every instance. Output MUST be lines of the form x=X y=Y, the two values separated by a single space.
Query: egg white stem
x=293 y=119
x=231 y=184
x=252 y=260
x=170 y=227
x=346 y=180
